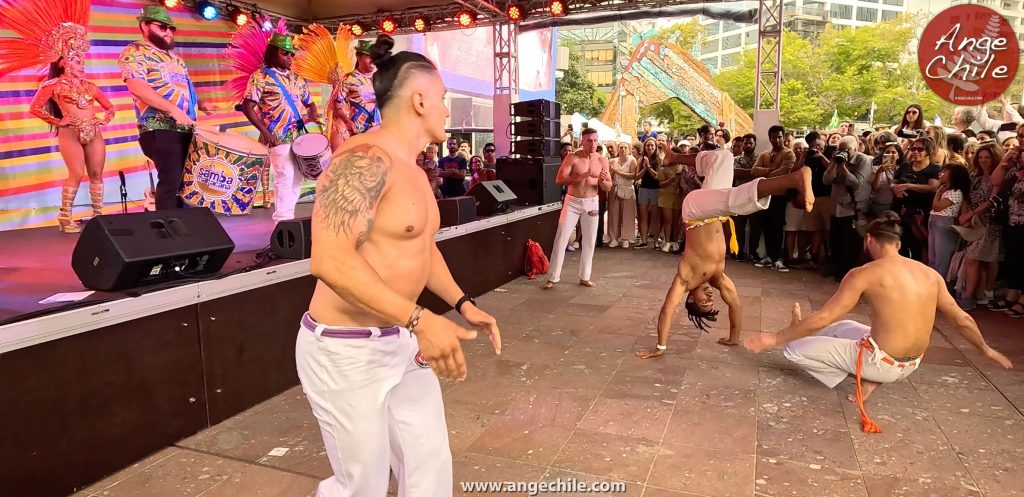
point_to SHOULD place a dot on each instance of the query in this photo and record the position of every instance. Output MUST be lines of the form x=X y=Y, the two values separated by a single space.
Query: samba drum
x=222 y=171
x=311 y=153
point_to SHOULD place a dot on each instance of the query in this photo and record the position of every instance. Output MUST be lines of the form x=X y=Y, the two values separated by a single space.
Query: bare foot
x=797 y=315
x=866 y=387
x=805 y=173
x=647 y=354
x=587 y=283
x=548 y=285
x=727 y=342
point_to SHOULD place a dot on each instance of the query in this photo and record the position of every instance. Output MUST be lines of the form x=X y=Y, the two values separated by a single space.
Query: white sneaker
x=570 y=248
x=780 y=266
x=666 y=247
x=985 y=298
x=625 y=244
x=613 y=244
x=675 y=246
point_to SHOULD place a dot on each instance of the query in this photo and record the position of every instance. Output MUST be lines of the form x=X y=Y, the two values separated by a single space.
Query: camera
x=912 y=134
x=841 y=156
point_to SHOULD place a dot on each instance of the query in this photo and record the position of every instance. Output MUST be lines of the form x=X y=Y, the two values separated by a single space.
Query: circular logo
x=968 y=54
x=215 y=179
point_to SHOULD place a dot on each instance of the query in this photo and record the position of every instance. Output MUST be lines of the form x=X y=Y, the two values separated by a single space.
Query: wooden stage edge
x=92 y=390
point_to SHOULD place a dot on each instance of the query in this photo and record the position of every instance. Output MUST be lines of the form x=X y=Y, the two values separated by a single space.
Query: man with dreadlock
x=702 y=266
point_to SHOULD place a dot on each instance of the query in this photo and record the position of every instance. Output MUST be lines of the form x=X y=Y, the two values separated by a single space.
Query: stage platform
x=94 y=387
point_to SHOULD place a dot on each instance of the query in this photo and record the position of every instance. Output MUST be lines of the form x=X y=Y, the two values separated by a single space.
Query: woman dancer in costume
x=54 y=31
x=326 y=59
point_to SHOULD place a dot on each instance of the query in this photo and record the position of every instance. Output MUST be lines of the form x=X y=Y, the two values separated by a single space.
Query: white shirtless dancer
x=583 y=171
x=374 y=221
x=903 y=294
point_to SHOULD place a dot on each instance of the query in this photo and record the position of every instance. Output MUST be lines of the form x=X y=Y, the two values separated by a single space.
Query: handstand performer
x=703 y=263
x=903 y=294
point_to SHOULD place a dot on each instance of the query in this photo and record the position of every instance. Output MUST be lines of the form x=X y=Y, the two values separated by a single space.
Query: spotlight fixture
x=420 y=24
x=558 y=8
x=238 y=16
x=265 y=22
x=358 y=29
x=388 y=24
x=207 y=10
x=515 y=12
x=169 y=4
x=465 y=18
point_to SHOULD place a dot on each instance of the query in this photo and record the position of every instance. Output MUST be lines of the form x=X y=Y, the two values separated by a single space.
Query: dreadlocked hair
x=698 y=317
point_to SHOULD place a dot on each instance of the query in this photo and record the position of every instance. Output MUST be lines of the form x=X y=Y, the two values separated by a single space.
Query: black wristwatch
x=463 y=300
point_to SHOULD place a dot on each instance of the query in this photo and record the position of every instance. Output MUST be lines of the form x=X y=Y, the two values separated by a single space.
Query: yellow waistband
x=734 y=245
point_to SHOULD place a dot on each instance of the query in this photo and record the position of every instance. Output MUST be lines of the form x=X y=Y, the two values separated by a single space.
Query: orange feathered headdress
x=48 y=30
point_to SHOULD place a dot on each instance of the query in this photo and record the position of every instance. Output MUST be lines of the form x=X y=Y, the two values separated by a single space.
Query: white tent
x=604 y=132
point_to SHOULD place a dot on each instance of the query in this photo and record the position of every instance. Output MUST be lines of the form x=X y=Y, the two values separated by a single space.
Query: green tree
x=843 y=69
x=684 y=35
x=576 y=92
x=679 y=119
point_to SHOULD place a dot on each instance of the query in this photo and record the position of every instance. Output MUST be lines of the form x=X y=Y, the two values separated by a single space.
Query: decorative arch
x=656 y=72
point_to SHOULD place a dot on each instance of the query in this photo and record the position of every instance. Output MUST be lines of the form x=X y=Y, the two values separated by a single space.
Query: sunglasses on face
x=164 y=27
x=917 y=149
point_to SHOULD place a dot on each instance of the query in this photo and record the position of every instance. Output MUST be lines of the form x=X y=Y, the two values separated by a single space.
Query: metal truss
x=506 y=59
x=442 y=17
x=769 y=55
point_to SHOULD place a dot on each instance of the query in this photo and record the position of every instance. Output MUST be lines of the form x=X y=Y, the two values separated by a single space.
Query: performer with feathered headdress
x=271 y=100
x=54 y=32
x=165 y=101
x=326 y=59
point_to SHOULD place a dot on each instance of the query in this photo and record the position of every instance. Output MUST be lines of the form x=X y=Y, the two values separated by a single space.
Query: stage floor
x=567 y=399
x=36 y=263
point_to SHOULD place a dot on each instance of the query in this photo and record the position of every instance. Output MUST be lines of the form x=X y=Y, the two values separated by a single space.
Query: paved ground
x=567 y=399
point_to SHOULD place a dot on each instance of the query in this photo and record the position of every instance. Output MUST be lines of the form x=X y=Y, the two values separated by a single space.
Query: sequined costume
x=69 y=93
x=50 y=32
x=326 y=59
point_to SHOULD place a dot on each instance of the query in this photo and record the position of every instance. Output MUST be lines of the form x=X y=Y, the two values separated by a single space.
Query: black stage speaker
x=457 y=210
x=118 y=252
x=536 y=109
x=536 y=147
x=492 y=197
x=291 y=239
x=532 y=180
x=537 y=128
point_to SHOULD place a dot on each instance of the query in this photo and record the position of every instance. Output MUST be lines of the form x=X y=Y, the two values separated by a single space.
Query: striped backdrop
x=31 y=169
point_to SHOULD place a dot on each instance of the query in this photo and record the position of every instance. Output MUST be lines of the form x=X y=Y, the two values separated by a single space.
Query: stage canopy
x=441 y=14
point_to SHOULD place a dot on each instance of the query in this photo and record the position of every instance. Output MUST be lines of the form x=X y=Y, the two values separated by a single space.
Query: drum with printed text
x=222 y=171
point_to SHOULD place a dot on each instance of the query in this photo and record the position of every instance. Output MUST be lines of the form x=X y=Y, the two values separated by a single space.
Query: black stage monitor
x=123 y=251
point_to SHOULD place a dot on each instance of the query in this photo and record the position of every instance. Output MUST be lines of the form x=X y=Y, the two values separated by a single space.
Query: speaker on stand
x=534 y=158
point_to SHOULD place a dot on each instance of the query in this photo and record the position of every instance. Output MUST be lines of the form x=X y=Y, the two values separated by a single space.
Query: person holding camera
x=891 y=157
x=850 y=177
x=914 y=187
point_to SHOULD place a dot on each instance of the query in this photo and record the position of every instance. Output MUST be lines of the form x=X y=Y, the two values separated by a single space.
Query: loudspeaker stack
x=530 y=169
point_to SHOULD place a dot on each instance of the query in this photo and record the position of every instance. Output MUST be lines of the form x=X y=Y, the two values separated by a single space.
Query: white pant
x=583 y=210
x=287 y=182
x=377 y=410
x=831 y=355
x=703 y=204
